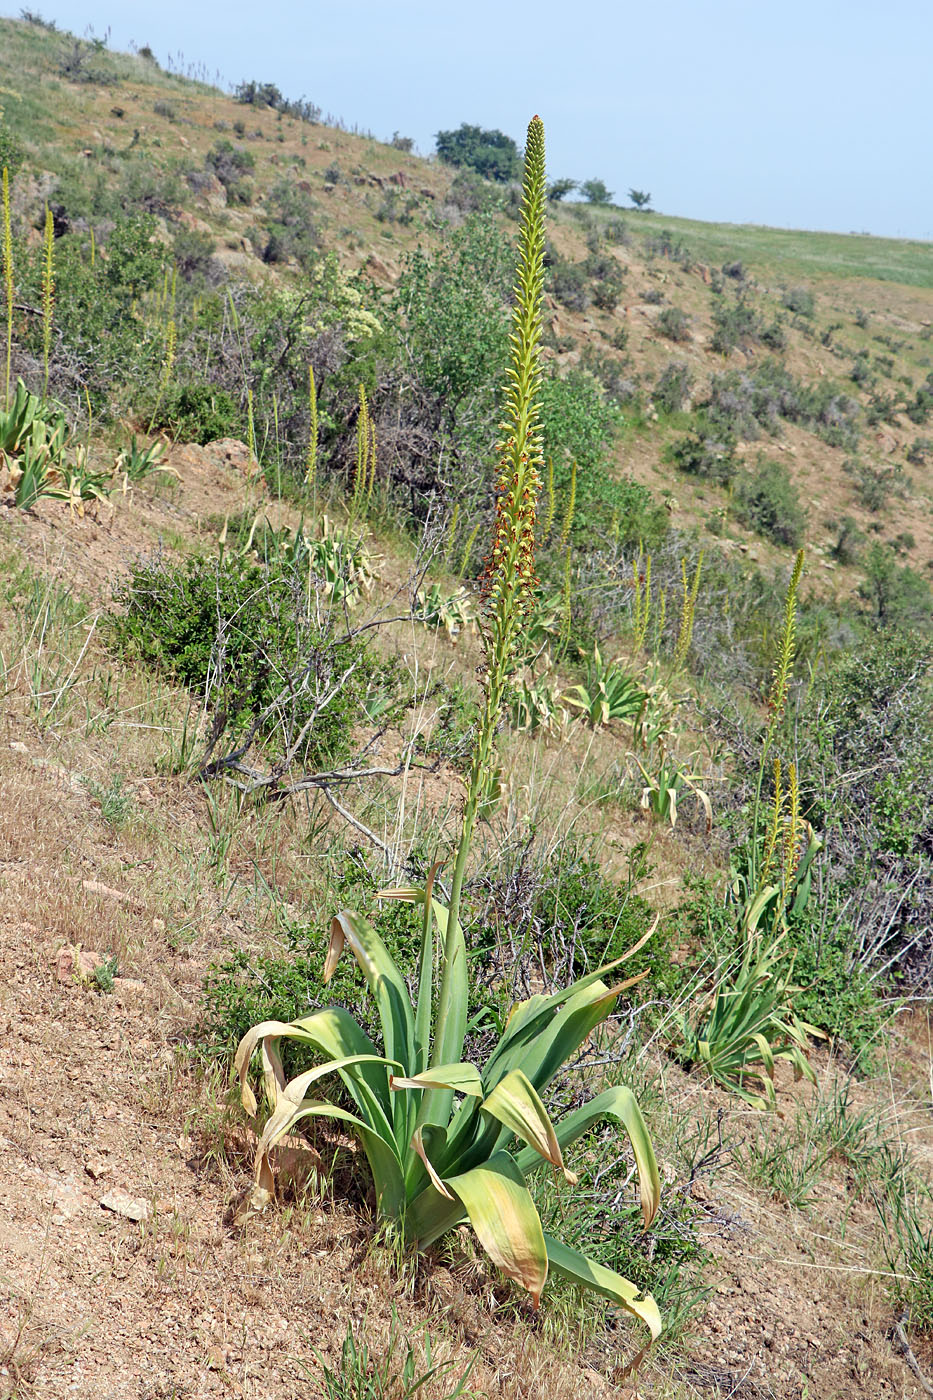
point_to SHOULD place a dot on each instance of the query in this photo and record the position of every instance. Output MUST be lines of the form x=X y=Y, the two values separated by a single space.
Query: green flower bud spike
x=509 y=577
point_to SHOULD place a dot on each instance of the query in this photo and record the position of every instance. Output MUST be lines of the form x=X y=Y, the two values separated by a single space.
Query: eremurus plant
x=445 y=1139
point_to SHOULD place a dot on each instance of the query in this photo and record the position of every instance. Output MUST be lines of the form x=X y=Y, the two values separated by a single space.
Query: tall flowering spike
x=784 y=662
x=510 y=565
x=510 y=570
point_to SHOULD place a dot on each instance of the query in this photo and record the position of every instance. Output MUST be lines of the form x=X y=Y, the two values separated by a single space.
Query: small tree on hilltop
x=557 y=189
x=491 y=154
x=596 y=192
x=641 y=199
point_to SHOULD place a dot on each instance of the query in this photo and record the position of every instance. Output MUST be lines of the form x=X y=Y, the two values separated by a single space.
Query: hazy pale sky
x=804 y=113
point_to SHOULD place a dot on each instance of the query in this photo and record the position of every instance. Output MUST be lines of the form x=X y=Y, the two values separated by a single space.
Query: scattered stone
x=106 y=891
x=19 y=747
x=65 y=1200
x=122 y=1203
x=76 y=964
x=96 y=1167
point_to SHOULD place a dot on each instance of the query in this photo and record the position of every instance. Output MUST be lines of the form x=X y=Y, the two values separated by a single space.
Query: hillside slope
x=246 y=513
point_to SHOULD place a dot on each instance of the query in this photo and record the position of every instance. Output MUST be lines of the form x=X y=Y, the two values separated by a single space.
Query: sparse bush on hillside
x=881 y=408
x=673 y=386
x=895 y=593
x=849 y=540
x=268 y=95
x=491 y=154
x=471 y=194
x=613 y=373
x=867 y=751
x=247 y=640
x=921 y=409
x=919 y=450
x=291 y=230
x=616 y=231
x=665 y=245
x=768 y=502
x=737 y=326
x=706 y=455
x=875 y=484
x=569 y=283
x=607 y=291
x=674 y=323
x=199 y=413
x=836 y=415
x=231 y=164
x=640 y=199
x=800 y=300
x=193 y=255
x=774 y=336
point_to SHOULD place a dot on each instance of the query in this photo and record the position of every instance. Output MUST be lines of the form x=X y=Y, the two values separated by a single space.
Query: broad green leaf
x=424 y=1007
x=383 y=977
x=462 y=1078
x=560 y=1038
x=293 y=1097
x=526 y=1017
x=380 y=1152
x=506 y=1222
x=586 y=1273
x=333 y=1033
x=618 y=1103
x=418 y=1147
x=515 y=1102
x=449 y=1036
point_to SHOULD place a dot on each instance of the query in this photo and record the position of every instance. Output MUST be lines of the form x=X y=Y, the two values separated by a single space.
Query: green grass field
x=778 y=250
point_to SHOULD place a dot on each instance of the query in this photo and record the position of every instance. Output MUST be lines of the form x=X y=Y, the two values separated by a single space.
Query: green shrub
x=919 y=450
x=736 y=324
x=800 y=300
x=291 y=230
x=875 y=485
x=674 y=323
x=896 y=594
x=849 y=540
x=921 y=408
x=704 y=454
x=197 y=413
x=246 y=637
x=490 y=153
x=569 y=283
x=768 y=502
x=672 y=389
x=231 y=164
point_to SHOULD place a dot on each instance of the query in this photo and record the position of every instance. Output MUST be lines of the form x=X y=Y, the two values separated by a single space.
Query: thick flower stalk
x=509 y=577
